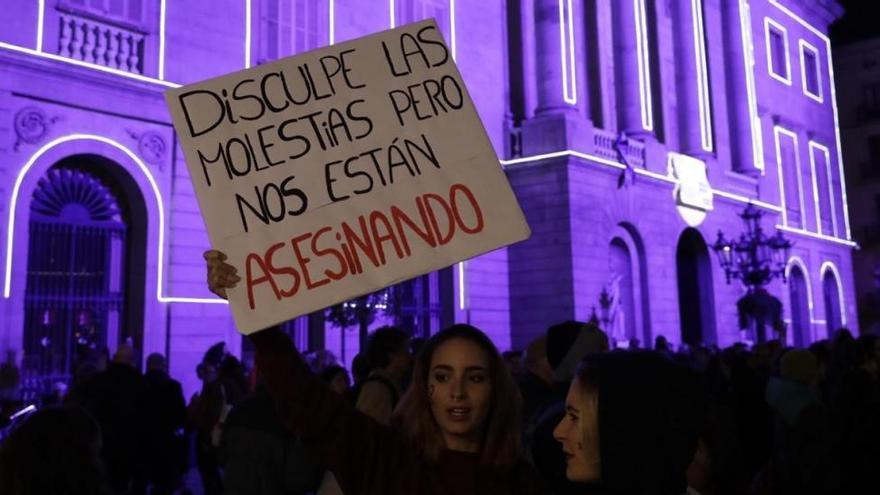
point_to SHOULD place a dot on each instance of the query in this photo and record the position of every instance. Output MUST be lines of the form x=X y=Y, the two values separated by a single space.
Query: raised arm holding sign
x=340 y=171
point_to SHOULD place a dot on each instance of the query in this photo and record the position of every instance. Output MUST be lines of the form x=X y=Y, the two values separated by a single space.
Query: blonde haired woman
x=631 y=425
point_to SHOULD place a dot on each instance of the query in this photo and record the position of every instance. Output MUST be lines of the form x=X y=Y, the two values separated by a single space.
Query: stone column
x=686 y=82
x=736 y=81
x=549 y=56
x=629 y=100
x=557 y=125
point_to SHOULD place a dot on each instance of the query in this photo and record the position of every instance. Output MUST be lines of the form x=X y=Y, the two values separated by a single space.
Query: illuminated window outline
x=748 y=47
x=644 y=65
x=703 y=94
x=567 y=50
x=41 y=7
x=804 y=46
x=830 y=65
x=777 y=130
x=829 y=179
x=826 y=266
x=797 y=261
x=780 y=29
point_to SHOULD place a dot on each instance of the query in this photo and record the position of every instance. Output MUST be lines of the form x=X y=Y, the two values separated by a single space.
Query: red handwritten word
x=372 y=238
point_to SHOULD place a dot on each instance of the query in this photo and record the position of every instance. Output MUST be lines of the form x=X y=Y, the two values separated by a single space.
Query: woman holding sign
x=455 y=431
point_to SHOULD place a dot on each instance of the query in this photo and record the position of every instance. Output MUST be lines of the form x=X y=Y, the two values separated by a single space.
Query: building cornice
x=40 y=65
x=820 y=13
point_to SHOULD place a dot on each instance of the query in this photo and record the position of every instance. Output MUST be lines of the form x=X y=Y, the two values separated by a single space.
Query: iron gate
x=74 y=300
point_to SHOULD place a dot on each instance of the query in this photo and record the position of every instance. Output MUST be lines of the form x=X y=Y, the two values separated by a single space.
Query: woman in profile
x=631 y=426
x=455 y=430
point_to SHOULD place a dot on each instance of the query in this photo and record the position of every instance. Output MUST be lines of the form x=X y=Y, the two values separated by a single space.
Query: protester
x=514 y=362
x=388 y=352
x=56 y=451
x=165 y=418
x=116 y=399
x=377 y=395
x=631 y=425
x=567 y=343
x=336 y=378
x=801 y=461
x=456 y=428
x=360 y=369
x=856 y=416
x=536 y=383
x=205 y=413
x=259 y=456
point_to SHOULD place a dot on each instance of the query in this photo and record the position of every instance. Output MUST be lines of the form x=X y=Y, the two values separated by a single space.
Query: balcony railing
x=99 y=43
x=604 y=146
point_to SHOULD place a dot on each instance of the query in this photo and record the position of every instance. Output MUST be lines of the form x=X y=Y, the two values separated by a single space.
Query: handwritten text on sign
x=341 y=171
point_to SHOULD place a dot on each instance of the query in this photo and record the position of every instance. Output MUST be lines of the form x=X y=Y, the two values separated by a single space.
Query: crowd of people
x=570 y=414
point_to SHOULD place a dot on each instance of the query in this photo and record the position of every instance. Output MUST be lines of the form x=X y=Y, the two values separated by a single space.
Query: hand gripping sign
x=334 y=173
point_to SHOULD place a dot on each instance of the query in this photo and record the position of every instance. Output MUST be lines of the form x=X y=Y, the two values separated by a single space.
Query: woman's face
x=578 y=432
x=459 y=390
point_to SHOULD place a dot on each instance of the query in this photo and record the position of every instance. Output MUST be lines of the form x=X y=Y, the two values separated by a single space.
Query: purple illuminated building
x=631 y=130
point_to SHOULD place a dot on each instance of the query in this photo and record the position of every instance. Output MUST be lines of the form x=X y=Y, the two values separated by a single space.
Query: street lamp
x=755 y=258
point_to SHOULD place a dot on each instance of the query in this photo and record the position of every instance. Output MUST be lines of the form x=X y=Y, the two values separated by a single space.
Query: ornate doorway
x=75 y=297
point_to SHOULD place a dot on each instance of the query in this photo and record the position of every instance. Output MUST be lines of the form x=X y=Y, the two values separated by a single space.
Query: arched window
x=832 y=293
x=800 y=309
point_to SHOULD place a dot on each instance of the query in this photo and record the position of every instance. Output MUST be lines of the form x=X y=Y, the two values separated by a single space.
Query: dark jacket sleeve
x=361 y=453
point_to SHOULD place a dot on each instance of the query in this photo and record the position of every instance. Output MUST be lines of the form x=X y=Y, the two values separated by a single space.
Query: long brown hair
x=501 y=433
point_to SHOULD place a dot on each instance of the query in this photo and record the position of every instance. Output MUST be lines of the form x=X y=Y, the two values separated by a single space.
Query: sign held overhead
x=341 y=171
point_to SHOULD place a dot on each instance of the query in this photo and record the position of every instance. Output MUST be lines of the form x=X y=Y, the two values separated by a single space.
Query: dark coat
x=165 y=419
x=260 y=457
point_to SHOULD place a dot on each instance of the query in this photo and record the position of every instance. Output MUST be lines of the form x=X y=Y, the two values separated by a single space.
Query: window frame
x=259 y=48
x=770 y=24
x=797 y=171
x=803 y=47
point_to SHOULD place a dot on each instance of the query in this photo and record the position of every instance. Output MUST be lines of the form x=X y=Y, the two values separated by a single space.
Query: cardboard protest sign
x=337 y=172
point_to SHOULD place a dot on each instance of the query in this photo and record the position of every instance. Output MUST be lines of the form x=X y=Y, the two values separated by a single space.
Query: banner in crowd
x=340 y=171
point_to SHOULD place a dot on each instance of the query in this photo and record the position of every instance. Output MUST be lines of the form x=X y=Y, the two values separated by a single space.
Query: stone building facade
x=632 y=131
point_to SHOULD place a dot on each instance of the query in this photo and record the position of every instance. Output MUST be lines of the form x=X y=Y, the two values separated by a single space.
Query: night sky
x=861 y=21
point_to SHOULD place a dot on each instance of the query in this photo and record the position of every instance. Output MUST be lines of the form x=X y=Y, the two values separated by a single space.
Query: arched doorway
x=799 y=302
x=831 y=295
x=85 y=267
x=696 y=301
